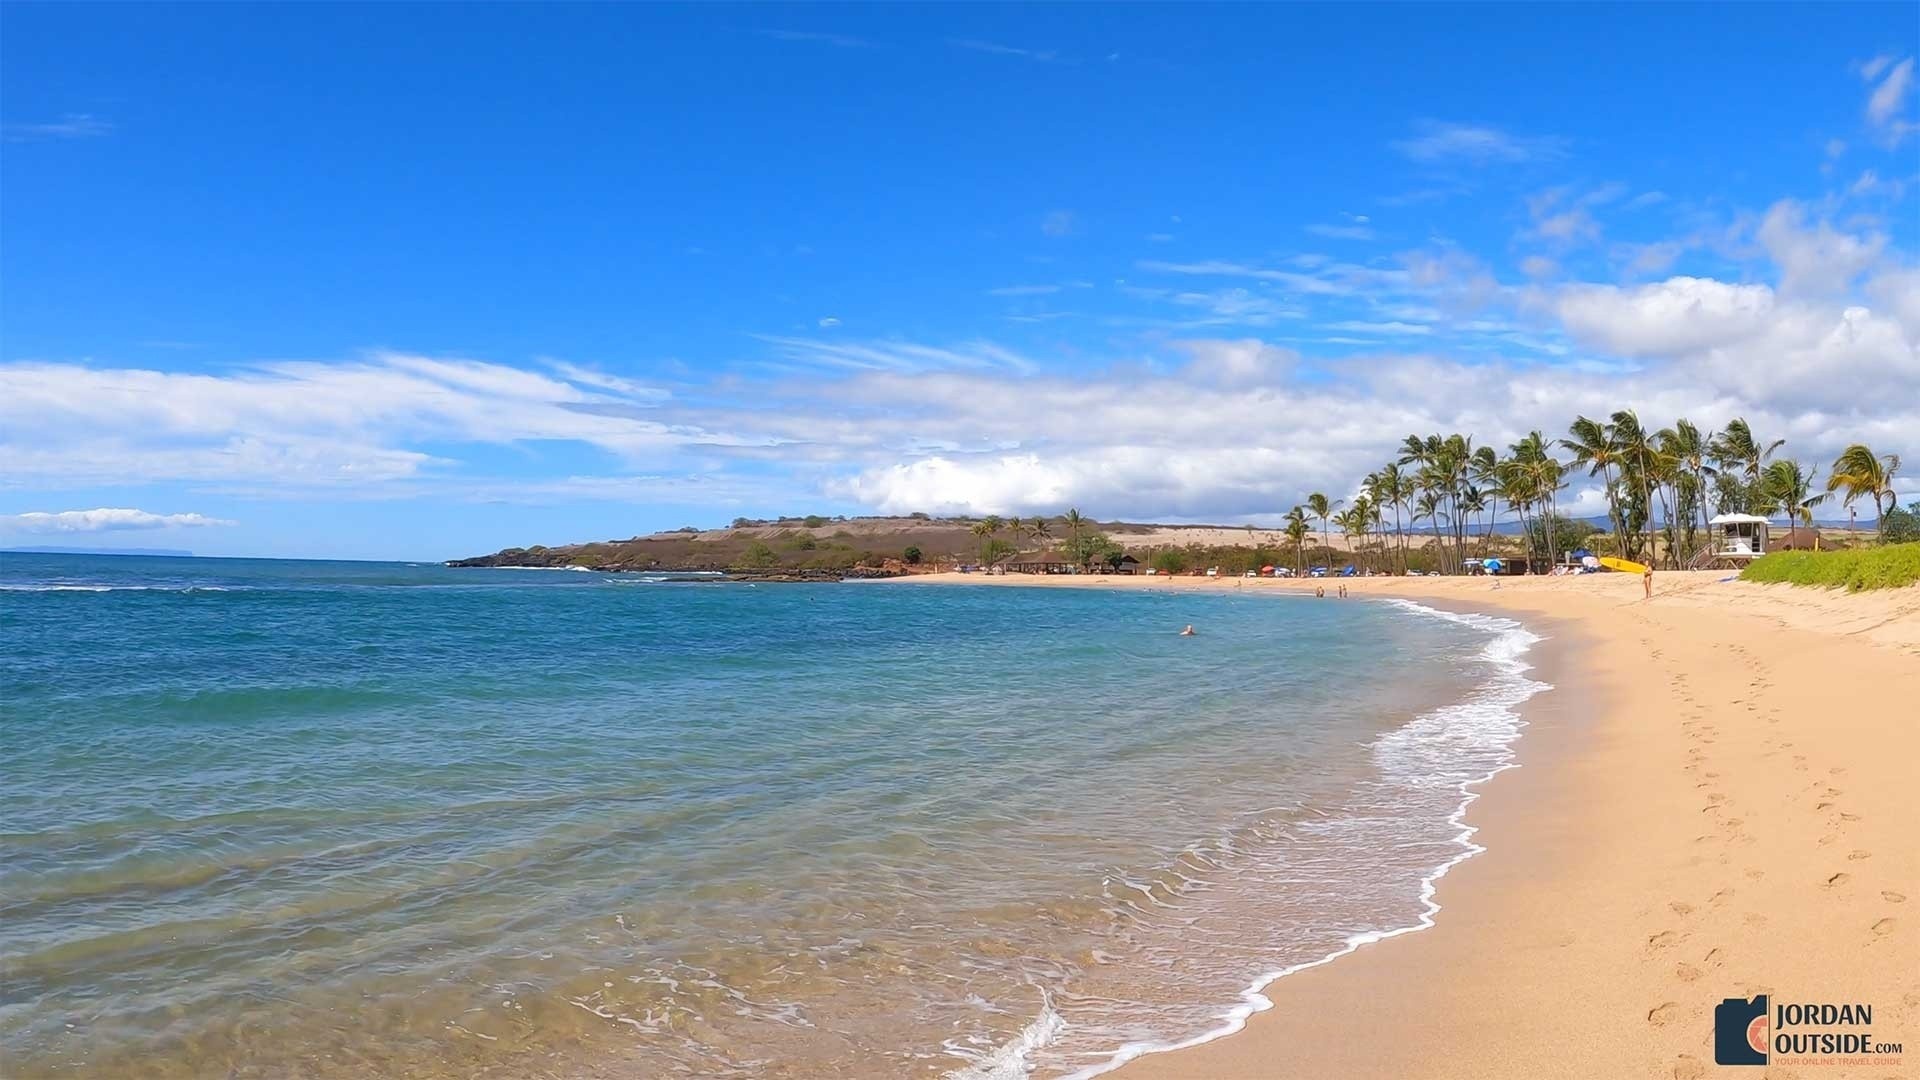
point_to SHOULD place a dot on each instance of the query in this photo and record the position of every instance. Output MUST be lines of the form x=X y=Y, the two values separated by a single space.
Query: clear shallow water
x=276 y=817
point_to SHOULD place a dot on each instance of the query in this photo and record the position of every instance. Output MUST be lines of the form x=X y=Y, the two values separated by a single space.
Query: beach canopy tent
x=1738 y=536
x=1582 y=553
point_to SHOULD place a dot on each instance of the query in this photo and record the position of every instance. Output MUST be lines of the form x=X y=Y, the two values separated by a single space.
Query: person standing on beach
x=1646 y=580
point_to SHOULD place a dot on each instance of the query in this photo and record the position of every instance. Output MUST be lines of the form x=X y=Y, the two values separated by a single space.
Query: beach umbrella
x=1266 y=569
x=1491 y=564
x=1582 y=553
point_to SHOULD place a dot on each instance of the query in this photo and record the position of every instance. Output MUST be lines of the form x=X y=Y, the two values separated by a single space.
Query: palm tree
x=1737 y=447
x=1074 y=523
x=1428 y=506
x=1544 y=475
x=1690 y=452
x=1018 y=528
x=1593 y=446
x=1788 y=487
x=1390 y=486
x=1317 y=502
x=1297 y=530
x=1039 y=530
x=1858 y=472
x=983 y=532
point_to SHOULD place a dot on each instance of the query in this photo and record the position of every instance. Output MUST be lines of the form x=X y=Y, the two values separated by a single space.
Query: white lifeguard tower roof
x=1738 y=519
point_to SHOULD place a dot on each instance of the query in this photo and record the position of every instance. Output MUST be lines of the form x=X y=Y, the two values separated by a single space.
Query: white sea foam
x=1008 y=1061
x=1418 y=751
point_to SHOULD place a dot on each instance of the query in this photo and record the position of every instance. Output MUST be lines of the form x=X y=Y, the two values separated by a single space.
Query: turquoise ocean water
x=269 y=818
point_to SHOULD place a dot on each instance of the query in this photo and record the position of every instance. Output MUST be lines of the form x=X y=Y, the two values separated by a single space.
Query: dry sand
x=1721 y=798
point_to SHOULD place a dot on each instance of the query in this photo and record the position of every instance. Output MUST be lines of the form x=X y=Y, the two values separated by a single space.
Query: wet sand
x=1721 y=799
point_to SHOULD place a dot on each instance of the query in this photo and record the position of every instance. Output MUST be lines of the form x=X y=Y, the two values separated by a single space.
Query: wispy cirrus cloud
x=1892 y=82
x=69 y=126
x=1474 y=144
x=105 y=519
x=1043 y=56
x=841 y=41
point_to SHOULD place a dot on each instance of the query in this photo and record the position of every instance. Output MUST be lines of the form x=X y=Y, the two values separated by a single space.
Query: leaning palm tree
x=1737 y=449
x=1789 y=487
x=1593 y=446
x=1297 y=530
x=1039 y=530
x=1322 y=509
x=1857 y=471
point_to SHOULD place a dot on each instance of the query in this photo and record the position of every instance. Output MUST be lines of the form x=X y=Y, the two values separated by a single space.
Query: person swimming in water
x=1188 y=632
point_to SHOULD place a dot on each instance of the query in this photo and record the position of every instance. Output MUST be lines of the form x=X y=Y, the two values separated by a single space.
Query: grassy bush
x=1888 y=567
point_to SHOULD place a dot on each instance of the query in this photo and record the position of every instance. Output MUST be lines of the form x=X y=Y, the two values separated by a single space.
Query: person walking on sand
x=1646 y=580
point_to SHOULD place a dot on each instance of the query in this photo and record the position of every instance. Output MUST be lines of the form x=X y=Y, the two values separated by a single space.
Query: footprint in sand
x=1839 y=879
x=1754 y=918
x=1720 y=897
x=1822 y=805
x=1688 y=1068
x=1884 y=926
x=1663 y=940
x=1714 y=957
x=1680 y=907
x=1856 y=856
x=1686 y=972
x=1756 y=874
x=1892 y=897
x=1663 y=1014
x=1844 y=816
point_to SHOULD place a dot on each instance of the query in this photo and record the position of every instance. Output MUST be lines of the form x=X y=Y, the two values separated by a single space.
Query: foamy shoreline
x=1715 y=806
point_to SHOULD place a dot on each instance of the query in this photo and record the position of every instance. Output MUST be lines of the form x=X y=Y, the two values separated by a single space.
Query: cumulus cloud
x=1665 y=318
x=106 y=519
x=1816 y=259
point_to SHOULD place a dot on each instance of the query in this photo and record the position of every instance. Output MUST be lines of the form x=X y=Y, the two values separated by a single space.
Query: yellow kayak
x=1622 y=565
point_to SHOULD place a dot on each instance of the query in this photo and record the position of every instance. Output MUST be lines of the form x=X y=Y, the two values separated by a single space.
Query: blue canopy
x=1583 y=553
x=1491 y=564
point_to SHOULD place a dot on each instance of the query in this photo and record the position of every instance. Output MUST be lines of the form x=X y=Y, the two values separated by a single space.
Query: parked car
x=1318 y=571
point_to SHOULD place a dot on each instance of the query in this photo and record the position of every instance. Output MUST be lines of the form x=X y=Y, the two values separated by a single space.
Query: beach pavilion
x=1038 y=562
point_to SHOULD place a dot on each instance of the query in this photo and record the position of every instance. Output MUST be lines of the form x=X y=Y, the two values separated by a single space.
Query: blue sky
x=419 y=282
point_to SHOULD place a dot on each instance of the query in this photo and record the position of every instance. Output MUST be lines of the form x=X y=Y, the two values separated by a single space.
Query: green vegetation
x=912 y=556
x=1889 y=567
x=1901 y=526
x=758 y=556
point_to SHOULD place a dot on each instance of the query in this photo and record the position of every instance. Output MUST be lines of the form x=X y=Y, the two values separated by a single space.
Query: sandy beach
x=1718 y=800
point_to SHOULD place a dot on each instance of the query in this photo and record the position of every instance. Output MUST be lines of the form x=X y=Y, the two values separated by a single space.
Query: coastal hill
x=835 y=545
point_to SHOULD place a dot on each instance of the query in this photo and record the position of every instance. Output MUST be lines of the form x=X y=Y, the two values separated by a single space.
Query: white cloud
x=311 y=423
x=69 y=126
x=842 y=41
x=1024 y=290
x=1663 y=319
x=828 y=322
x=105 y=519
x=1342 y=232
x=1476 y=145
x=1885 y=100
x=1816 y=260
x=1044 y=56
x=1059 y=223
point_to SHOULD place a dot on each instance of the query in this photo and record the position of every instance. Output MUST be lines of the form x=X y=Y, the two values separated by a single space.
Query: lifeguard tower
x=1737 y=539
